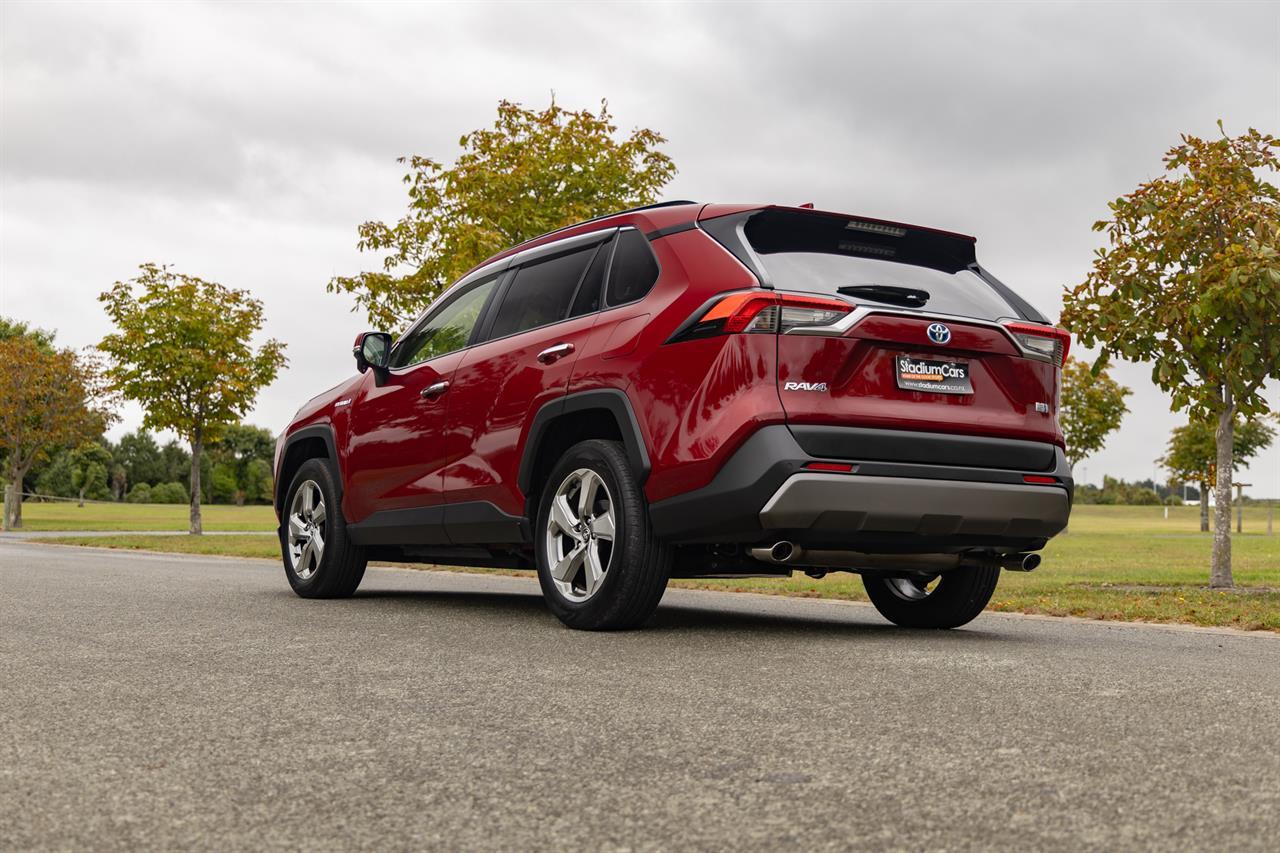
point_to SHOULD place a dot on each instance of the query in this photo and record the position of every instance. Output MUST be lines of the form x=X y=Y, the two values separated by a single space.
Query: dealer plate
x=933 y=375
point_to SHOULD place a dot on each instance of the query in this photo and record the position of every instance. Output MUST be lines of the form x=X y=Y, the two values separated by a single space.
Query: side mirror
x=371 y=350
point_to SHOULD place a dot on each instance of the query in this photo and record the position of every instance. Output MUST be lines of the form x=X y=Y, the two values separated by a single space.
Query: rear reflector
x=766 y=311
x=842 y=467
x=1038 y=480
x=1045 y=342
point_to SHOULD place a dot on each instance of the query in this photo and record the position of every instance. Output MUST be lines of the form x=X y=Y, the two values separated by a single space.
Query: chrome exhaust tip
x=778 y=552
x=1020 y=562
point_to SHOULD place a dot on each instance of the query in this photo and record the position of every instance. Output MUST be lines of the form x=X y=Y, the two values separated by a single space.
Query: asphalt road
x=183 y=702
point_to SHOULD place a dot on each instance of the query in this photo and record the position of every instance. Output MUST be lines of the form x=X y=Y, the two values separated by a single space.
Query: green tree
x=141 y=458
x=182 y=350
x=55 y=477
x=90 y=465
x=1092 y=408
x=10 y=329
x=49 y=399
x=239 y=447
x=1192 y=453
x=1190 y=281
x=531 y=172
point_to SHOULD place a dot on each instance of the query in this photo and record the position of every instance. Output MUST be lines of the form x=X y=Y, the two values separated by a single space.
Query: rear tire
x=958 y=597
x=599 y=563
x=320 y=560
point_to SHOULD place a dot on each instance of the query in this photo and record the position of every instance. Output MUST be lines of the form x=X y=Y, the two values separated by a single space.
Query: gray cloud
x=244 y=142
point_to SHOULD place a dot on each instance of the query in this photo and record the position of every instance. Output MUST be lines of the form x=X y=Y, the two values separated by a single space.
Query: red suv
x=696 y=390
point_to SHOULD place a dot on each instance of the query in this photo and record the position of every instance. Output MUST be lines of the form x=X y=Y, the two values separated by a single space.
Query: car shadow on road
x=675 y=618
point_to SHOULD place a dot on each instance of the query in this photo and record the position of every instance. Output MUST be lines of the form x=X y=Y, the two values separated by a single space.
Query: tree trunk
x=80 y=494
x=1204 y=506
x=196 y=447
x=1220 y=570
x=13 y=505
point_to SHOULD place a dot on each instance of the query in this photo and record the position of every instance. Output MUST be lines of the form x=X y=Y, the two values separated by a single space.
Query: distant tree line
x=138 y=469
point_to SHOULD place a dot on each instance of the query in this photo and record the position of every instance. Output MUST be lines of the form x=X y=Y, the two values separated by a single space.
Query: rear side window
x=540 y=293
x=590 y=291
x=634 y=269
x=868 y=262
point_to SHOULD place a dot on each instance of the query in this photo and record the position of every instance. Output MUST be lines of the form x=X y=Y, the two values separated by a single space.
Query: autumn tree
x=533 y=171
x=182 y=350
x=49 y=399
x=1192 y=453
x=1190 y=281
x=1091 y=409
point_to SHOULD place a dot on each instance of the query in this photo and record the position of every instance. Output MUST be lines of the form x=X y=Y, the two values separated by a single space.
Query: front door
x=396 y=446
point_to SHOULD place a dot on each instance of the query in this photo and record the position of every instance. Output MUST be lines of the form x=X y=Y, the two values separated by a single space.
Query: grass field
x=1116 y=562
x=62 y=515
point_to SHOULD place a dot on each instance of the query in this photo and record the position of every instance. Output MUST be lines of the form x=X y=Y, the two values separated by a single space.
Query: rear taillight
x=761 y=311
x=1044 y=342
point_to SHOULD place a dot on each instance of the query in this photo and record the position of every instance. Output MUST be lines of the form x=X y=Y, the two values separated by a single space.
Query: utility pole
x=1240 y=506
x=1271 y=515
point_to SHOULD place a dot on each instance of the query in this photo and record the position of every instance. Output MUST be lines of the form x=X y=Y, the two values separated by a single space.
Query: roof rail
x=607 y=215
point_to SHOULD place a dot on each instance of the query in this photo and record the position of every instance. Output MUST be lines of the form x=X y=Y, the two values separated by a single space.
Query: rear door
x=535 y=333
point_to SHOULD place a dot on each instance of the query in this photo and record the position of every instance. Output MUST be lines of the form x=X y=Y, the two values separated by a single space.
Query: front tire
x=947 y=600
x=599 y=563
x=320 y=560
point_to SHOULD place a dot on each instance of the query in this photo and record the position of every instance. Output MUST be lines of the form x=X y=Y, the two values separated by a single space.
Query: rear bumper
x=840 y=503
x=763 y=493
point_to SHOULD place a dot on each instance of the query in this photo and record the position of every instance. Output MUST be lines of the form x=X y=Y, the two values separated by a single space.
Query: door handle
x=433 y=391
x=550 y=354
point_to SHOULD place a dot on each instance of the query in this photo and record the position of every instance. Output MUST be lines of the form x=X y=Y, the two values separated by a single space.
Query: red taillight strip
x=1060 y=335
x=841 y=467
x=1039 y=480
x=734 y=312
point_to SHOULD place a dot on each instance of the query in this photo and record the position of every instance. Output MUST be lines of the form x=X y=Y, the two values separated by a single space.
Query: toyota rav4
x=696 y=390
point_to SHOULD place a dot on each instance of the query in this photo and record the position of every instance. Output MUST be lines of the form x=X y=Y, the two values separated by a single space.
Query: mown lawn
x=1122 y=563
x=62 y=515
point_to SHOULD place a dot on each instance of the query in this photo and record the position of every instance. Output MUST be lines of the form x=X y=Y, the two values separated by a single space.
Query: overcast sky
x=244 y=143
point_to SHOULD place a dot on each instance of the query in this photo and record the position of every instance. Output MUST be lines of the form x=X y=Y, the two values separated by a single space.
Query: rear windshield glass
x=901 y=286
x=869 y=262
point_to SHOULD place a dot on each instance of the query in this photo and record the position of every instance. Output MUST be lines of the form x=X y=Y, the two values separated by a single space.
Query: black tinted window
x=634 y=269
x=589 y=292
x=540 y=293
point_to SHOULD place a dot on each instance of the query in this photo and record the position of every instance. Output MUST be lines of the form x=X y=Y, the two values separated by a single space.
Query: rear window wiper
x=888 y=293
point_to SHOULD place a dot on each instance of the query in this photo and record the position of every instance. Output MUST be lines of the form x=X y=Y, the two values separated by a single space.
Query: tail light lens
x=1044 y=342
x=764 y=311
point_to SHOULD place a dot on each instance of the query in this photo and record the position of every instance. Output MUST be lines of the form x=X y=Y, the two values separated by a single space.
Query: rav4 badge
x=804 y=386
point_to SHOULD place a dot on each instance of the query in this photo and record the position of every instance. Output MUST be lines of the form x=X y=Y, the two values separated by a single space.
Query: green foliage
x=90 y=463
x=1191 y=278
x=182 y=351
x=177 y=463
x=10 y=329
x=1119 y=492
x=531 y=172
x=1092 y=407
x=55 y=478
x=140 y=494
x=169 y=493
x=141 y=458
x=242 y=455
x=49 y=399
x=1191 y=454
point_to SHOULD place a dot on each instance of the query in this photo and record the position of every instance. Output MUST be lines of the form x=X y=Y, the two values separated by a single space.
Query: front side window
x=540 y=293
x=445 y=330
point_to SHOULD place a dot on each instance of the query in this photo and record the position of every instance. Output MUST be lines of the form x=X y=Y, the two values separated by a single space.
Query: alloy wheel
x=579 y=535
x=306 y=530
